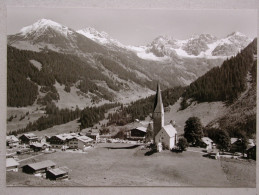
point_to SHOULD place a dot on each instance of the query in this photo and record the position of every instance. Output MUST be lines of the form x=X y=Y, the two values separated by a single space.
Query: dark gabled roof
x=41 y=165
x=57 y=171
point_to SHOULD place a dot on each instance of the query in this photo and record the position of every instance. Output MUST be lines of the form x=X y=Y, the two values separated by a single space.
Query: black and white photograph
x=131 y=97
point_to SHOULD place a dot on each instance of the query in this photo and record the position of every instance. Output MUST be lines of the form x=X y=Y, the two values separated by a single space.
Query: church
x=163 y=134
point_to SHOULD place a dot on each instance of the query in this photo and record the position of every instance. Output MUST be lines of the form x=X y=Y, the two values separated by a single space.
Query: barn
x=39 y=167
x=11 y=165
x=56 y=174
x=28 y=138
x=137 y=133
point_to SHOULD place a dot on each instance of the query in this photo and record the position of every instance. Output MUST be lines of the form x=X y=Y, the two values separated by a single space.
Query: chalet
x=11 y=165
x=36 y=146
x=251 y=153
x=94 y=134
x=24 y=151
x=28 y=138
x=12 y=141
x=236 y=144
x=58 y=141
x=39 y=167
x=137 y=133
x=80 y=142
x=167 y=136
x=207 y=143
x=56 y=174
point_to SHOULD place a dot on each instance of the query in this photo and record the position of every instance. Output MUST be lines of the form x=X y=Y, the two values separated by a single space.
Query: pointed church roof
x=158 y=106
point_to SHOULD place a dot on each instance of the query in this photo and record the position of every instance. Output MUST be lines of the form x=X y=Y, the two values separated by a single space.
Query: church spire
x=158 y=105
x=158 y=113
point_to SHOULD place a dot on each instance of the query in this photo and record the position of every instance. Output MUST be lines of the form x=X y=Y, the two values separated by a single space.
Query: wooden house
x=12 y=141
x=11 y=165
x=80 y=142
x=39 y=167
x=138 y=133
x=56 y=174
x=28 y=138
x=251 y=153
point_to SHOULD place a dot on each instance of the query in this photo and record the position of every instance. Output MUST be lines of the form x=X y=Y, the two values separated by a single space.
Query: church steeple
x=158 y=113
x=158 y=105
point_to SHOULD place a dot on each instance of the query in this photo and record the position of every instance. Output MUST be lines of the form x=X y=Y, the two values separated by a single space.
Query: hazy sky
x=140 y=26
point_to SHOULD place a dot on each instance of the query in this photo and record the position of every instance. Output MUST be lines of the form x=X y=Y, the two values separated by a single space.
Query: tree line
x=226 y=82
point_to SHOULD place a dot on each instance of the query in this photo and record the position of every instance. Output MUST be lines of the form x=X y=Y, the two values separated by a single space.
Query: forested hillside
x=24 y=78
x=142 y=108
x=224 y=83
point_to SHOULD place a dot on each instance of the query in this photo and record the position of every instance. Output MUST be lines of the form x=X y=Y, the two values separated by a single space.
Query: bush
x=182 y=144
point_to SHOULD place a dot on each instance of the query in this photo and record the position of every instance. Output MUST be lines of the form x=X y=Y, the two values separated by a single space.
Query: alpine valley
x=49 y=62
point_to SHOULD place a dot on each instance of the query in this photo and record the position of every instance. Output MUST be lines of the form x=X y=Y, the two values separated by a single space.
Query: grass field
x=123 y=165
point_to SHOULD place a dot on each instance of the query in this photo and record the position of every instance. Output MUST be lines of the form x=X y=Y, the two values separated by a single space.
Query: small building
x=94 y=134
x=12 y=141
x=207 y=143
x=80 y=142
x=57 y=141
x=56 y=174
x=138 y=133
x=167 y=136
x=28 y=138
x=39 y=167
x=24 y=151
x=251 y=153
x=36 y=146
x=11 y=165
x=236 y=144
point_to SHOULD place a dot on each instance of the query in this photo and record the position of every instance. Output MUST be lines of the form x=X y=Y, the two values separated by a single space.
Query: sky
x=140 y=26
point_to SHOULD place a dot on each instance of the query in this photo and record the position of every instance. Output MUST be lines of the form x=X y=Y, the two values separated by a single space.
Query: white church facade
x=163 y=134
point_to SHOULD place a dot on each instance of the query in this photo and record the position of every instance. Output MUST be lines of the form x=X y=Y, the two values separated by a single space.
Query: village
x=42 y=156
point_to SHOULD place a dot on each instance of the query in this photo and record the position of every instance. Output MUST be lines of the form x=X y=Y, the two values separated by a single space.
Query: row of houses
x=47 y=168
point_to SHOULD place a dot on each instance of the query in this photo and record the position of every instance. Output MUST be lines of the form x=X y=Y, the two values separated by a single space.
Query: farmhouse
x=207 y=142
x=39 y=167
x=137 y=133
x=80 y=142
x=58 y=141
x=12 y=141
x=56 y=174
x=11 y=165
x=167 y=135
x=236 y=144
x=28 y=138
x=39 y=146
x=94 y=134
x=251 y=153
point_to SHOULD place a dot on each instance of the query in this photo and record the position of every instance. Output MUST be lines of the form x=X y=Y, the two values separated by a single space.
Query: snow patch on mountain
x=42 y=25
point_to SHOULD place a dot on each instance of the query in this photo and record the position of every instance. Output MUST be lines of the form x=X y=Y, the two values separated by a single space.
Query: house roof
x=57 y=171
x=66 y=136
x=37 y=144
x=10 y=162
x=206 y=140
x=12 y=138
x=170 y=130
x=233 y=140
x=42 y=164
x=30 y=135
x=143 y=129
x=84 y=139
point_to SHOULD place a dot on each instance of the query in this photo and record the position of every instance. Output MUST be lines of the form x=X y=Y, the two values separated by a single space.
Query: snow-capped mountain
x=47 y=34
x=100 y=37
x=180 y=61
x=204 y=45
x=163 y=48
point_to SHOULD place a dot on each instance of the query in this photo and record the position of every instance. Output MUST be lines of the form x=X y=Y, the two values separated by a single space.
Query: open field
x=117 y=164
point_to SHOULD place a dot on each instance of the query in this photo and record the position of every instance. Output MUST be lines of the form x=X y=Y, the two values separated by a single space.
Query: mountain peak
x=42 y=25
x=236 y=33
